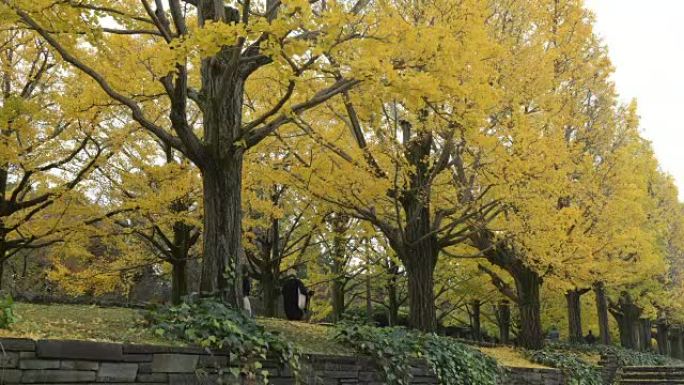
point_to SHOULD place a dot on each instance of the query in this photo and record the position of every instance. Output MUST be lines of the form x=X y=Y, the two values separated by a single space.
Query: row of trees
x=419 y=154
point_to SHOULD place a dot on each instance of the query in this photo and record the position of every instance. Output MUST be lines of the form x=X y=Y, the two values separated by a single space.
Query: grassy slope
x=80 y=322
x=122 y=325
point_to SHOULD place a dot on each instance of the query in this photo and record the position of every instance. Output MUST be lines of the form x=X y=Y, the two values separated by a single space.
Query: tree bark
x=573 y=299
x=645 y=334
x=420 y=270
x=527 y=284
x=369 y=291
x=222 y=230
x=503 y=319
x=337 y=298
x=179 y=283
x=420 y=249
x=221 y=162
x=338 y=264
x=602 y=311
x=673 y=337
x=2 y=269
x=270 y=293
x=392 y=296
x=661 y=337
x=627 y=314
x=475 y=326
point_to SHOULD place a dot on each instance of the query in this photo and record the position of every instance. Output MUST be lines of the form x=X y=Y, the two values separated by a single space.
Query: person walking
x=295 y=297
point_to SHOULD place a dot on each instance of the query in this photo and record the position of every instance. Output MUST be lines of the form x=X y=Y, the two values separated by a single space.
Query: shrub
x=212 y=324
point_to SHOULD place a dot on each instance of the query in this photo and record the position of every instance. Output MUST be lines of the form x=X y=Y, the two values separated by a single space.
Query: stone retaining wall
x=24 y=361
x=526 y=376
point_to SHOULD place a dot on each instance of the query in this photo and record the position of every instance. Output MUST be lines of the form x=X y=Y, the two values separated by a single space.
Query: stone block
x=17 y=344
x=155 y=349
x=338 y=374
x=174 y=363
x=9 y=359
x=368 y=376
x=137 y=357
x=9 y=376
x=152 y=377
x=79 y=365
x=23 y=355
x=188 y=379
x=280 y=381
x=212 y=362
x=117 y=372
x=79 y=350
x=56 y=376
x=39 y=364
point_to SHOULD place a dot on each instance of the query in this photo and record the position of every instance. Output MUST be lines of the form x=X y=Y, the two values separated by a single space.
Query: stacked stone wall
x=24 y=361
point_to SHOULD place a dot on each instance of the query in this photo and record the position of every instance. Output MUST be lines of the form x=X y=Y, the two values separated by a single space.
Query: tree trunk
x=420 y=248
x=673 y=337
x=369 y=292
x=527 y=284
x=627 y=314
x=602 y=311
x=221 y=162
x=527 y=287
x=645 y=334
x=222 y=231
x=179 y=283
x=573 y=299
x=420 y=270
x=503 y=319
x=475 y=325
x=392 y=296
x=3 y=259
x=270 y=293
x=661 y=337
x=337 y=299
x=627 y=332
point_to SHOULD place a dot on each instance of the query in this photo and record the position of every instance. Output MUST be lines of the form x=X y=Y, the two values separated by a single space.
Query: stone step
x=653 y=374
x=658 y=369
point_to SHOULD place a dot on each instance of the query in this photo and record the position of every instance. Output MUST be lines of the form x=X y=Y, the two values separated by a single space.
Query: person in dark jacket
x=295 y=297
x=590 y=338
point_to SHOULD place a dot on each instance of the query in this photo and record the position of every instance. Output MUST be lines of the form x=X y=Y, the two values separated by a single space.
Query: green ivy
x=457 y=364
x=579 y=371
x=394 y=349
x=625 y=357
x=212 y=324
x=7 y=317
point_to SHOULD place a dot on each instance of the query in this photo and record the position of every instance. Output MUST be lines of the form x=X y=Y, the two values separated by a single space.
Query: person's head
x=590 y=332
x=291 y=272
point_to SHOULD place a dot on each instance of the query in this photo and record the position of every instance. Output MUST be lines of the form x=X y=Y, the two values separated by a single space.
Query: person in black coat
x=295 y=297
x=590 y=338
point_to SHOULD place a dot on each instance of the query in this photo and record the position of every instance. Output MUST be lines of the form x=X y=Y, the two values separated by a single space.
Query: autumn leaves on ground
x=461 y=167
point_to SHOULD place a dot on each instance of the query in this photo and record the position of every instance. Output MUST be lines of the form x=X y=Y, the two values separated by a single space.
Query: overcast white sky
x=646 y=43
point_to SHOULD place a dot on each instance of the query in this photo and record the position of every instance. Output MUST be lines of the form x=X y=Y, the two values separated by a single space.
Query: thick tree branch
x=137 y=113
